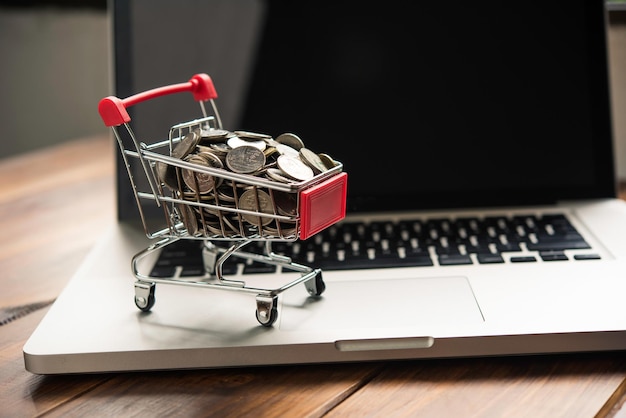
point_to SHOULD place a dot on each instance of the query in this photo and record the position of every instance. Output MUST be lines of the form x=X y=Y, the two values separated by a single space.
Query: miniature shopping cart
x=202 y=199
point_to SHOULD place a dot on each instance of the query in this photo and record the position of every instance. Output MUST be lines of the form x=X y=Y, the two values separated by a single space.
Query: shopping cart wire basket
x=226 y=189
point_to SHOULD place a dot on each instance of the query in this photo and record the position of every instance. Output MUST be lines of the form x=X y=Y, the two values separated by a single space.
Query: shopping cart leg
x=144 y=295
x=316 y=285
x=222 y=259
x=209 y=257
x=266 y=309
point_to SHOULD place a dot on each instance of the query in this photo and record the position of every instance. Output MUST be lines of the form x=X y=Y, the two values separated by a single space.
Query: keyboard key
x=557 y=244
x=553 y=256
x=587 y=257
x=523 y=259
x=489 y=258
x=373 y=263
x=453 y=260
x=508 y=247
x=418 y=261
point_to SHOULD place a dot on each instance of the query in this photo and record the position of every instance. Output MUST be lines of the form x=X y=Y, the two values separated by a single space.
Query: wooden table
x=55 y=203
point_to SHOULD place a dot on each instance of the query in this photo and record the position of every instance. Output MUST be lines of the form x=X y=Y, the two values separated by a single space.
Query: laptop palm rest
x=416 y=303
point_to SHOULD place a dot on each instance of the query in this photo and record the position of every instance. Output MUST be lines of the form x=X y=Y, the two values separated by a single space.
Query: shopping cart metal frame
x=321 y=202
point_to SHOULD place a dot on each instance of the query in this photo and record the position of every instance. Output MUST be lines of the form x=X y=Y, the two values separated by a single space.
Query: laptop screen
x=427 y=104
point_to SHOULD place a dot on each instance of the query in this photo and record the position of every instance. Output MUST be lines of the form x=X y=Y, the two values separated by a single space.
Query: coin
x=192 y=195
x=286 y=203
x=278 y=175
x=213 y=135
x=328 y=161
x=270 y=151
x=252 y=135
x=286 y=149
x=186 y=145
x=214 y=160
x=217 y=151
x=291 y=140
x=167 y=174
x=282 y=232
x=231 y=225
x=294 y=167
x=215 y=229
x=188 y=218
x=225 y=195
x=212 y=213
x=245 y=159
x=256 y=201
x=312 y=160
x=236 y=142
x=220 y=149
x=199 y=181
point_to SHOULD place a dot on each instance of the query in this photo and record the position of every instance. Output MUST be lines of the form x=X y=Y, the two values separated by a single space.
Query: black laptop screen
x=427 y=104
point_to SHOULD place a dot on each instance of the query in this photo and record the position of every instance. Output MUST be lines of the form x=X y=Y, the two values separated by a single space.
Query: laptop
x=481 y=215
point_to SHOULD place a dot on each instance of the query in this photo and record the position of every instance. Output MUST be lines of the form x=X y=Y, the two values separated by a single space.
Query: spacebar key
x=367 y=263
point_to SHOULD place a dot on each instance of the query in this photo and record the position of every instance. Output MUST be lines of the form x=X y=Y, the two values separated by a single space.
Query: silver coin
x=188 y=218
x=220 y=149
x=328 y=161
x=217 y=151
x=231 y=225
x=312 y=160
x=167 y=174
x=284 y=149
x=236 y=142
x=214 y=160
x=225 y=195
x=252 y=135
x=199 y=181
x=291 y=140
x=256 y=201
x=294 y=167
x=282 y=233
x=278 y=175
x=286 y=203
x=211 y=214
x=213 y=135
x=186 y=145
x=215 y=229
x=245 y=159
x=193 y=196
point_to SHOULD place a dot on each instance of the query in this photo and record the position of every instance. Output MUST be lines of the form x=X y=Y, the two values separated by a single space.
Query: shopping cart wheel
x=316 y=285
x=266 y=310
x=144 y=295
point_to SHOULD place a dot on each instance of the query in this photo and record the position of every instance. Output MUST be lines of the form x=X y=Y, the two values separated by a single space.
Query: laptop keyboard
x=444 y=242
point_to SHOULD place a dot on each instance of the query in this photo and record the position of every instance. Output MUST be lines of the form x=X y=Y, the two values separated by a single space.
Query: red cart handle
x=113 y=109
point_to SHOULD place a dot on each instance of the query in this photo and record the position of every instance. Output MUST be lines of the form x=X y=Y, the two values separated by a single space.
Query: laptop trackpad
x=422 y=302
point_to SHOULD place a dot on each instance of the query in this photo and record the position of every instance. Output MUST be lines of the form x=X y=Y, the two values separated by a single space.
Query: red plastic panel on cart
x=323 y=205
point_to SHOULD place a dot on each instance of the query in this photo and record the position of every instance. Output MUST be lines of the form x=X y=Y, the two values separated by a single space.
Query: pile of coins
x=282 y=159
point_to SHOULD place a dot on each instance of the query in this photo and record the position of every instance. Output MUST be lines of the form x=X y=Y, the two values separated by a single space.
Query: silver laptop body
x=445 y=113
